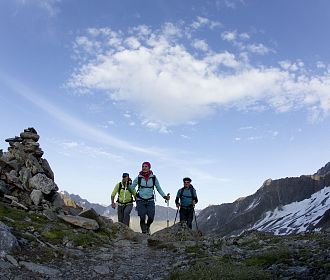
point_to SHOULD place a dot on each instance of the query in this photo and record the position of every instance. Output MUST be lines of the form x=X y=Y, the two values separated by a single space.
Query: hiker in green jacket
x=186 y=199
x=125 y=199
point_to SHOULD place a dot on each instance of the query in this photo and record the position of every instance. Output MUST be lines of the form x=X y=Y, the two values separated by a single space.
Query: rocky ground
x=58 y=250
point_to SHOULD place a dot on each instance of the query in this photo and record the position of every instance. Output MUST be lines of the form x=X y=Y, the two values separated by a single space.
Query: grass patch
x=221 y=268
x=269 y=257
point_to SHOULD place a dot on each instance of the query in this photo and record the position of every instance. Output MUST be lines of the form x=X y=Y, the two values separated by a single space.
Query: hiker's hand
x=178 y=205
x=193 y=203
x=113 y=205
x=166 y=197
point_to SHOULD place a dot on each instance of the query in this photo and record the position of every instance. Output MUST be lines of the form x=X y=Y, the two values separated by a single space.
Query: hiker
x=145 y=198
x=125 y=199
x=188 y=198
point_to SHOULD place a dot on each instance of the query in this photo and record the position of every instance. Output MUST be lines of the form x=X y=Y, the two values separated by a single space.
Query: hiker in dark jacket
x=125 y=199
x=186 y=199
x=145 y=201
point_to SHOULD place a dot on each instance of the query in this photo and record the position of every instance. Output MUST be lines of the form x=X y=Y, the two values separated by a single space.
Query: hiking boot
x=148 y=231
x=144 y=229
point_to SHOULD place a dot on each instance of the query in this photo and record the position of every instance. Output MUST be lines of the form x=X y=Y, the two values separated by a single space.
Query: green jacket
x=125 y=195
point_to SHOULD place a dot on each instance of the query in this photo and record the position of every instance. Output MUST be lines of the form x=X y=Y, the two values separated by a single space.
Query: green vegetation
x=25 y=224
x=271 y=256
x=220 y=268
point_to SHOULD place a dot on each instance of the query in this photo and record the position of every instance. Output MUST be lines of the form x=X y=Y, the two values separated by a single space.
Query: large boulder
x=80 y=221
x=43 y=183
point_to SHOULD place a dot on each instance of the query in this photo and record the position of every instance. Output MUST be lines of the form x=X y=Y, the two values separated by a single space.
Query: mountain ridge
x=233 y=218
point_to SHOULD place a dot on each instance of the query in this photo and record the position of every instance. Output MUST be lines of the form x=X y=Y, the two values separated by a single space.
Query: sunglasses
x=186 y=181
x=145 y=166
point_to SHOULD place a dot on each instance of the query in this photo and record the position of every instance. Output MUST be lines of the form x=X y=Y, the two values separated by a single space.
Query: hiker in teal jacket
x=145 y=201
x=188 y=198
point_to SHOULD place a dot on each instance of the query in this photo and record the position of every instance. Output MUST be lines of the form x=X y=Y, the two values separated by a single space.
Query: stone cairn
x=27 y=182
x=26 y=179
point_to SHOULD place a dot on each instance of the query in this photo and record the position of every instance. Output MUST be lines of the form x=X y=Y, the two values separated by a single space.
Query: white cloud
x=258 y=48
x=232 y=4
x=169 y=85
x=202 y=22
x=229 y=35
x=200 y=45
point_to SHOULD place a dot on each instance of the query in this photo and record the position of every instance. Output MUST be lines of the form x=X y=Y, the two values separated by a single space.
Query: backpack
x=120 y=188
x=191 y=191
x=153 y=187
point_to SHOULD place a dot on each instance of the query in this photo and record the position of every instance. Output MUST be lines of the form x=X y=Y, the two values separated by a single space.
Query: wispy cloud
x=74 y=123
x=73 y=147
x=51 y=7
x=169 y=85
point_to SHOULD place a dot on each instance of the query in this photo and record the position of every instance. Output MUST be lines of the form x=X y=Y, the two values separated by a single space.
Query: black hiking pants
x=187 y=215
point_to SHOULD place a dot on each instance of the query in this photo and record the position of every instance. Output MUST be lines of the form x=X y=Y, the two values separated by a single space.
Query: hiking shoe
x=148 y=231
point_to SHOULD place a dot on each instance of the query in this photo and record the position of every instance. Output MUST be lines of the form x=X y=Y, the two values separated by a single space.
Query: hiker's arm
x=113 y=194
x=195 y=196
x=159 y=189
x=133 y=185
x=133 y=192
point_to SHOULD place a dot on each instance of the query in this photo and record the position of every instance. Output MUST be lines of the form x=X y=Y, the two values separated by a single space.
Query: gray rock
x=8 y=241
x=80 y=221
x=102 y=269
x=12 y=260
x=46 y=167
x=30 y=135
x=25 y=175
x=33 y=164
x=36 y=196
x=43 y=183
x=40 y=268
x=57 y=200
x=4 y=188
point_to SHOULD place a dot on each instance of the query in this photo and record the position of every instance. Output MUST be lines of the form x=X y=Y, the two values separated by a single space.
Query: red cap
x=147 y=163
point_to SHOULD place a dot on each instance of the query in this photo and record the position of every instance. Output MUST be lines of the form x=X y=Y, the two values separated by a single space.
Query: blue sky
x=229 y=93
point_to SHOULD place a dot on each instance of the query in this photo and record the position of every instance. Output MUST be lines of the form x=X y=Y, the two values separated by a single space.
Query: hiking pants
x=145 y=208
x=124 y=212
x=187 y=215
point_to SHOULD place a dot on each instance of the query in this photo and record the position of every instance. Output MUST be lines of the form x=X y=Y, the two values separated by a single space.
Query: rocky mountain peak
x=324 y=170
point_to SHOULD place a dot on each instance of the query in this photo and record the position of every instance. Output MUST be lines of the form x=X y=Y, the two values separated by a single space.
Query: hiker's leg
x=142 y=212
x=120 y=213
x=190 y=217
x=127 y=212
x=183 y=215
x=150 y=213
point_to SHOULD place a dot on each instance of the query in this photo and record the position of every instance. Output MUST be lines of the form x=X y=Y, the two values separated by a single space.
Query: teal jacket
x=146 y=190
x=186 y=196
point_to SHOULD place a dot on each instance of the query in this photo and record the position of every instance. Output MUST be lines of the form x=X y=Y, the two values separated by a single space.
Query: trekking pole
x=168 y=206
x=196 y=220
x=176 y=215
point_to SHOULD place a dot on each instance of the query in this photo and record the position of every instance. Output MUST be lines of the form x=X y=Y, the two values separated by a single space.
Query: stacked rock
x=25 y=175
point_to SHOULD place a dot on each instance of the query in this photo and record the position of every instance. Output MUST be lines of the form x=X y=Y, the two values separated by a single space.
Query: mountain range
x=283 y=206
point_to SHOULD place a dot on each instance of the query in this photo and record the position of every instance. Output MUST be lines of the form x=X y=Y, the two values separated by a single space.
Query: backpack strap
x=153 y=182
x=139 y=187
x=190 y=196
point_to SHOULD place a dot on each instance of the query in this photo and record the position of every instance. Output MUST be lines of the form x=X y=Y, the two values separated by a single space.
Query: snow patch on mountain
x=295 y=217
